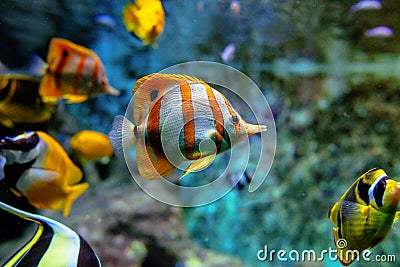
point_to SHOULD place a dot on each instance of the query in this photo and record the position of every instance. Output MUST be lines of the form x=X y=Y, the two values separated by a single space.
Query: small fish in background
x=228 y=53
x=245 y=179
x=20 y=102
x=172 y=115
x=3 y=68
x=366 y=5
x=365 y=213
x=200 y=6
x=53 y=244
x=379 y=32
x=38 y=168
x=144 y=19
x=73 y=73
x=105 y=20
x=234 y=6
x=91 y=146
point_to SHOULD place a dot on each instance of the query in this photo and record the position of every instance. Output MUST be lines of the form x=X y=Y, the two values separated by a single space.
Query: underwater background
x=333 y=89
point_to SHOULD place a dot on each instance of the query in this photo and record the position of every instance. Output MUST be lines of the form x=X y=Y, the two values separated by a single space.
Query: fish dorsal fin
x=149 y=89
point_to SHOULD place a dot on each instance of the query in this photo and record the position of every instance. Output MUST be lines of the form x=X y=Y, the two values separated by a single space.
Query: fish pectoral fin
x=75 y=191
x=353 y=210
x=152 y=165
x=199 y=164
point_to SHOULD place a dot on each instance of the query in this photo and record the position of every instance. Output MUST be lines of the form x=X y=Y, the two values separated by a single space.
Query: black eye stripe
x=363 y=191
x=379 y=191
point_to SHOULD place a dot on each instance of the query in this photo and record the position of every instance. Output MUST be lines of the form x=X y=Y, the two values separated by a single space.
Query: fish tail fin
x=37 y=66
x=121 y=134
x=76 y=191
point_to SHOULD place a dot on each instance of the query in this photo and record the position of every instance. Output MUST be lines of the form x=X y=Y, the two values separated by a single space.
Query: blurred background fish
x=144 y=19
x=366 y=5
x=105 y=20
x=73 y=73
x=53 y=244
x=91 y=146
x=20 y=102
x=379 y=32
x=228 y=53
x=164 y=104
x=38 y=168
x=365 y=213
x=234 y=6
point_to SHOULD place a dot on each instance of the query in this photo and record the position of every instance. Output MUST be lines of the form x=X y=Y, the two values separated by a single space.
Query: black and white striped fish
x=53 y=244
x=174 y=119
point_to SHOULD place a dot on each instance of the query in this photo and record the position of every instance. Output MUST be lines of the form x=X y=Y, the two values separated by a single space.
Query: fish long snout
x=253 y=129
x=112 y=91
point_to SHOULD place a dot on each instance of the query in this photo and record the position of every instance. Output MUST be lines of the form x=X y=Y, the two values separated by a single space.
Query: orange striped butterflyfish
x=365 y=214
x=73 y=73
x=176 y=119
x=53 y=244
x=20 y=102
x=37 y=167
x=144 y=19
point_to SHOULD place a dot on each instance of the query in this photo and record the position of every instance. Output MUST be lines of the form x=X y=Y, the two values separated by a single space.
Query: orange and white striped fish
x=73 y=73
x=176 y=119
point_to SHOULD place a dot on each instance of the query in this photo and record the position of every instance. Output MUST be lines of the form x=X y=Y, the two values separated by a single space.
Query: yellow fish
x=73 y=73
x=173 y=114
x=90 y=145
x=37 y=167
x=144 y=19
x=53 y=244
x=364 y=214
x=20 y=102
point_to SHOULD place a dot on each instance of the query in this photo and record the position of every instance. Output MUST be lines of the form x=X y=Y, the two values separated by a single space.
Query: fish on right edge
x=53 y=244
x=173 y=114
x=364 y=214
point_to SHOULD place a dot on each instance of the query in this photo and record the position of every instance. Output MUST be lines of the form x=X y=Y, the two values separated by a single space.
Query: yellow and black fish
x=364 y=214
x=144 y=19
x=53 y=244
x=37 y=167
x=173 y=114
x=20 y=102
x=73 y=72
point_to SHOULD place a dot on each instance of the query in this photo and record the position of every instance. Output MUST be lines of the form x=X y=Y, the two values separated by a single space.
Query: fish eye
x=235 y=119
x=379 y=191
x=153 y=95
x=64 y=53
